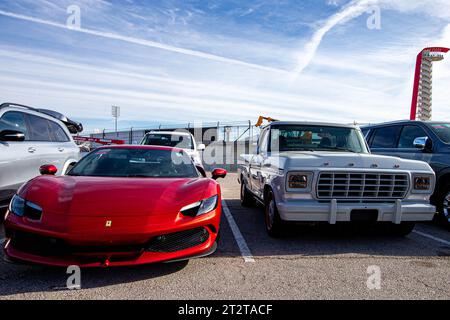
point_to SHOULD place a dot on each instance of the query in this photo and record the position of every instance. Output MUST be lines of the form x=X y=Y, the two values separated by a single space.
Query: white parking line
x=242 y=244
x=429 y=236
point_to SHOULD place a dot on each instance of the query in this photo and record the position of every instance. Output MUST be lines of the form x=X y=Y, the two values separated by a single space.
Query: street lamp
x=115 y=111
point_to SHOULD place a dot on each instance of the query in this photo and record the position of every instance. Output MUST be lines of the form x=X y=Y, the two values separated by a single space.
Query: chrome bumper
x=332 y=212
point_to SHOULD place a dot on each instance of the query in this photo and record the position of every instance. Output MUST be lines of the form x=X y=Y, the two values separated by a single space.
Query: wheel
x=402 y=229
x=443 y=205
x=274 y=223
x=247 y=199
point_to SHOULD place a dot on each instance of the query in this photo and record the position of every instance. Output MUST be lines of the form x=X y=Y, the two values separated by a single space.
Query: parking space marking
x=429 y=236
x=242 y=244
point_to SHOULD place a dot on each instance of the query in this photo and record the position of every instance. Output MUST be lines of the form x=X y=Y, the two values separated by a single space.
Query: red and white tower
x=421 y=105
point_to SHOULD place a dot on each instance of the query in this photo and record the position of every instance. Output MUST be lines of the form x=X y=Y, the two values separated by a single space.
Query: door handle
x=60 y=149
x=31 y=150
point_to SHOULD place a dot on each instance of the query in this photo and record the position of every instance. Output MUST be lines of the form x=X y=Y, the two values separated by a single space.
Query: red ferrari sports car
x=121 y=205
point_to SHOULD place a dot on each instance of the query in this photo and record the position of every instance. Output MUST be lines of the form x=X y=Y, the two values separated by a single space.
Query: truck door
x=256 y=164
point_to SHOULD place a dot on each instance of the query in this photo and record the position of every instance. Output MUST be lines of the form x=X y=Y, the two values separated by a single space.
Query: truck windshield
x=169 y=140
x=316 y=138
x=442 y=130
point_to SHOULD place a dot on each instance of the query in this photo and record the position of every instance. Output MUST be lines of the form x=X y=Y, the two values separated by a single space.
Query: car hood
x=109 y=197
x=341 y=160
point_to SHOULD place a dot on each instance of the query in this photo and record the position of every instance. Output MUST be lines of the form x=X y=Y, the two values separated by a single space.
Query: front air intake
x=177 y=241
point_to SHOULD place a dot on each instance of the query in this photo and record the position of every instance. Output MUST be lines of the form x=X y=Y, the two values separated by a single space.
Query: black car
x=418 y=140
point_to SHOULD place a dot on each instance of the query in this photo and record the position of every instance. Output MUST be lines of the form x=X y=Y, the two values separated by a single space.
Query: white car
x=182 y=140
x=30 y=138
x=319 y=172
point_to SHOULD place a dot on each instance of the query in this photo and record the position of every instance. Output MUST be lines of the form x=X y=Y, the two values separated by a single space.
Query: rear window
x=169 y=140
x=57 y=133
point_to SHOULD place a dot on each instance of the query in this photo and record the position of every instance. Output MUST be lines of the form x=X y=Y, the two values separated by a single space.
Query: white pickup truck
x=320 y=172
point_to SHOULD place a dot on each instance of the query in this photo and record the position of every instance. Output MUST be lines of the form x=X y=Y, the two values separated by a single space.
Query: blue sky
x=209 y=60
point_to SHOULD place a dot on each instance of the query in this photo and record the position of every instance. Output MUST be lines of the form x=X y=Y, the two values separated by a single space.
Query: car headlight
x=21 y=207
x=299 y=181
x=201 y=207
x=422 y=183
x=17 y=206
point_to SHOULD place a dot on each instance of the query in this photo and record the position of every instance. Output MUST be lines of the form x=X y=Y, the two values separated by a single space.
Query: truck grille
x=344 y=185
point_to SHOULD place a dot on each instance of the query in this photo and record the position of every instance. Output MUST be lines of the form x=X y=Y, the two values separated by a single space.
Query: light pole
x=115 y=111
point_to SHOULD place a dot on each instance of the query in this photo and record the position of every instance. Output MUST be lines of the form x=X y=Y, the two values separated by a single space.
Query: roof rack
x=73 y=126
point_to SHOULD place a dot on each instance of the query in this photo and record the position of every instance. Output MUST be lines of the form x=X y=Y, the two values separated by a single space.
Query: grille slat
x=341 y=185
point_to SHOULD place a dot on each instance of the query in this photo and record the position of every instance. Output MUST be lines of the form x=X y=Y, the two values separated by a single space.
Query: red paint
x=98 y=140
x=219 y=173
x=415 y=95
x=48 y=169
x=76 y=209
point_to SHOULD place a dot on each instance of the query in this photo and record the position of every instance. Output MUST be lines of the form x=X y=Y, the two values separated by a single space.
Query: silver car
x=30 y=138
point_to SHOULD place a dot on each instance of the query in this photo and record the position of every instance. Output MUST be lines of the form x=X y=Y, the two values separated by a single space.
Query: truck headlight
x=422 y=183
x=201 y=207
x=299 y=181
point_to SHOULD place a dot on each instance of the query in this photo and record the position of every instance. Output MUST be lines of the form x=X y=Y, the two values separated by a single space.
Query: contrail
x=146 y=43
x=352 y=10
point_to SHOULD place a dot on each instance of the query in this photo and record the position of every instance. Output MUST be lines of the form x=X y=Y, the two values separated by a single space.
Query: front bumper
x=182 y=242
x=333 y=211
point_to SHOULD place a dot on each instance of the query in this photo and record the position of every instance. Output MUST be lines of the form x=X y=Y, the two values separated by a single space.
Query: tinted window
x=57 y=133
x=135 y=163
x=409 y=133
x=365 y=131
x=442 y=130
x=169 y=140
x=39 y=128
x=14 y=121
x=385 y=137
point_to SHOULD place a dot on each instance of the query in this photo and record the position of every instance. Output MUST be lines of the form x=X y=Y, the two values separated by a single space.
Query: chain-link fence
x=225 y=141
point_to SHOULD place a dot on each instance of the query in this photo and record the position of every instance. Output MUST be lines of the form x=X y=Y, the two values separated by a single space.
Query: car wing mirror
x=48 y=169
x=12 y=135
x=219 y=173
x=201 y=147
x=423 y=143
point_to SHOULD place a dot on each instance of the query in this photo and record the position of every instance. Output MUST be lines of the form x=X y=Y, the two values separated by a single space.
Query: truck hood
x=341 y=160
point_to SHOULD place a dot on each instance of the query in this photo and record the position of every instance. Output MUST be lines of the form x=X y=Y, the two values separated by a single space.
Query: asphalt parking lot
x=309 y=263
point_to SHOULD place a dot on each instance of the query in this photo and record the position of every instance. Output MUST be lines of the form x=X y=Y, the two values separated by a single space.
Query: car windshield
x=135 y=163
x=169 y=140
x=442 y=130
x=316 y=138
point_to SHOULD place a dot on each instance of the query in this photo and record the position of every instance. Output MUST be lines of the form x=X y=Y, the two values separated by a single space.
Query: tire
x=401 y=230
x=443 y=205
x=274 y=224
x=247 y=199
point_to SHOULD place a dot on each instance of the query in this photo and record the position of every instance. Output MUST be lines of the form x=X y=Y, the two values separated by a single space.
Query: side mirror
x=219 y=173
x=48 y=169
x=201 y=147
x=201 y=170
x=12 y=135
x=423 y=143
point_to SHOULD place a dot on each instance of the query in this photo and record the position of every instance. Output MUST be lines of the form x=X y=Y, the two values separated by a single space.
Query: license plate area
x=364 y=215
